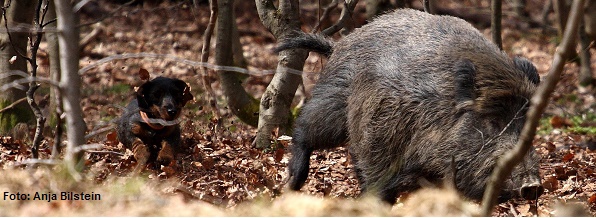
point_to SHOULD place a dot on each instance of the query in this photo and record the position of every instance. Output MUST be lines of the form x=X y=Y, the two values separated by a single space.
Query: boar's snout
x=531 y=191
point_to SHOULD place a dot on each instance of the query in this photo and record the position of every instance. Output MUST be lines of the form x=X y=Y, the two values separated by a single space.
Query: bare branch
x=99 y=131
x=111 y=13
x=325 y=15
x=205 y=57
x=346 y=14
x=538 y=104
x=12 y=105
x=33 y=86
x=97 y=29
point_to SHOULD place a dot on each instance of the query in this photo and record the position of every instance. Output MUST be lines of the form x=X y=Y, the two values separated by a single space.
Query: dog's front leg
x=141 y=154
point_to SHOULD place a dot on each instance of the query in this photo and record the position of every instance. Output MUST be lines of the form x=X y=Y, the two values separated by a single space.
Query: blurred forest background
x=226 y=166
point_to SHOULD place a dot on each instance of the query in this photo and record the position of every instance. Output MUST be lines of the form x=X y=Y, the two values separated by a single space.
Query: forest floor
x=218 y=167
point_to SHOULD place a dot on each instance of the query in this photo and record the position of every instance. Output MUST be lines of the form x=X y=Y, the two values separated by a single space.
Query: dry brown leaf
x=143 y=74
x=550 y=147
x=568 y=157
x=558 y=122
x=279 y=154
x=592 y=199
x=550 y=183
x=112 y=138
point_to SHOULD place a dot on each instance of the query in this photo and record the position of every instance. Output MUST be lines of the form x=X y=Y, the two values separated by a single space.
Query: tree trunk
x=20 y=11
x=561 y=8
x=276 y=101
x=240 y=103
x=70 y=85
x=55 y=98
x=495 y=23
x=585 y=71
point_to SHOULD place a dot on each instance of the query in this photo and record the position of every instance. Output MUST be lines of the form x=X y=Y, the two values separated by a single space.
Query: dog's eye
x=156 y=95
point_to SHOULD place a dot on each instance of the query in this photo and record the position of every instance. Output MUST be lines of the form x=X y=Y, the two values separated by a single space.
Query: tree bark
x=275 y=112
x=35 y=41
x=55 y=98
x=70 y=85
x=19 y=11
x=240 y=102
x=585 y=71
x=538 y=104
x=561 y=8
x=429 y=7
x=495 y=23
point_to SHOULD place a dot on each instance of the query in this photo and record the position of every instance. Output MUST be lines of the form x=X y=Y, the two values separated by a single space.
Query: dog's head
x=163 y=97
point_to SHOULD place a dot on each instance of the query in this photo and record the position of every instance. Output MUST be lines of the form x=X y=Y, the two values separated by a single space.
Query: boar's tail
x=311 y=42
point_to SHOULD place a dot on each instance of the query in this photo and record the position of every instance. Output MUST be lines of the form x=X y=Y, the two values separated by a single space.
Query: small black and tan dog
x=149 y=124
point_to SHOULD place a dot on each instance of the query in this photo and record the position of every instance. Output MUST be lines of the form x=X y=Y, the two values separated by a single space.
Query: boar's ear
x=528 y=68
x=465 y=72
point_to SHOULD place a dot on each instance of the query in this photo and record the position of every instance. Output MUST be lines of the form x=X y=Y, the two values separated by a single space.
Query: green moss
x=583 y=130
x=19 y=114
x=118 y=89
x=544 y=127
x=249 y=114
x=577 y=125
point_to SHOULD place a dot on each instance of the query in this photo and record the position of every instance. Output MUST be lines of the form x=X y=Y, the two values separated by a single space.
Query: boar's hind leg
x=298 y=166
x=406 y=180
x=321 y=125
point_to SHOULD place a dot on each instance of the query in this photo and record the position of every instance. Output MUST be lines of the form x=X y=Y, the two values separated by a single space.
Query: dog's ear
x=141 y=93
x=186 y=95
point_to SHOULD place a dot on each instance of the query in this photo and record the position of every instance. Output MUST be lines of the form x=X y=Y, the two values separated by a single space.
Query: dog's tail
x=311 y=42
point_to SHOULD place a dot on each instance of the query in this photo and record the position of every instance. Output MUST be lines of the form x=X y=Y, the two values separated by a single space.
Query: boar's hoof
x=531 y=191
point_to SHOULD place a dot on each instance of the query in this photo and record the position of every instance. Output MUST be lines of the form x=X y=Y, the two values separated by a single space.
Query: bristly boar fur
x=408 y=92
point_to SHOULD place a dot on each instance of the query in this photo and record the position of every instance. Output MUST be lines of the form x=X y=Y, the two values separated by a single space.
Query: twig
x=325 y=15
x=12 y=105
x=538 y=104
x=346 y=14
x=16 y=83
x=99 y=131
x=33 y=86
x=108 y=14
x=87 y=147
x=105 y=152
x=205 y=56
x=97 y=29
